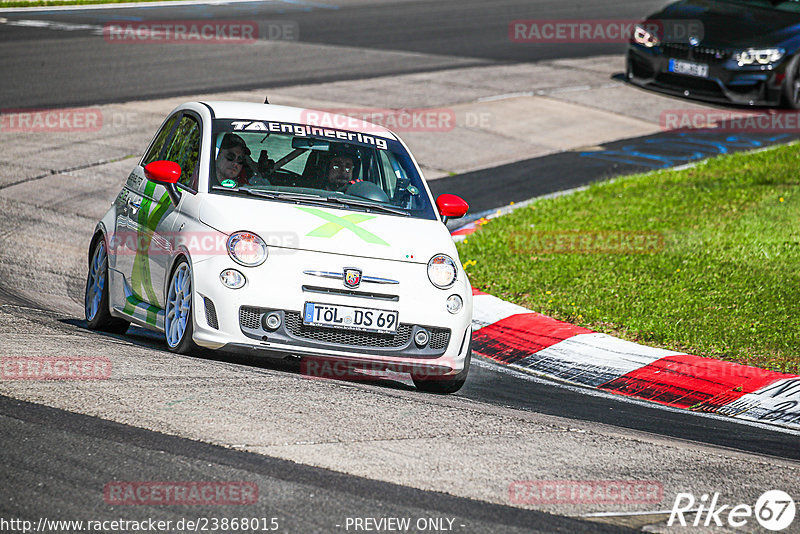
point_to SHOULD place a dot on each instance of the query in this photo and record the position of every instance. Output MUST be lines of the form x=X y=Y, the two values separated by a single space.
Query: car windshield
x=312 y=165
x=792 y=6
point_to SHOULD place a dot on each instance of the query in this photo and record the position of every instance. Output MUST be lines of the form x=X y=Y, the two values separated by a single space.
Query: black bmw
x=735 y=51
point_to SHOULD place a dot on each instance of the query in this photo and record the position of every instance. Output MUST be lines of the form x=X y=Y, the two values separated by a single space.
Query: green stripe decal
x=141 y=279
x=132 y=304
x=349 y=222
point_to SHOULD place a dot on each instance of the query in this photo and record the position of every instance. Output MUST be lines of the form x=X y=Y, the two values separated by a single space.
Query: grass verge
x=704 y=260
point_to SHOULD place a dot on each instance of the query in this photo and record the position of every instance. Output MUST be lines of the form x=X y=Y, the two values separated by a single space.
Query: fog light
x=454 y=304
x=422 y=337
x=232 y=278
x=272 y=321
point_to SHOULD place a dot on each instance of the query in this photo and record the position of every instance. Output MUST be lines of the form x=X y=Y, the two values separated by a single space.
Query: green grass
x=704 y=260
x=36 y=3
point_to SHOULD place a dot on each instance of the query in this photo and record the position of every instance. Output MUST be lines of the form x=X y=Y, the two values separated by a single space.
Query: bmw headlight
x=442 y=271
x=644 y=37
x=759 y=56
x=246 y=248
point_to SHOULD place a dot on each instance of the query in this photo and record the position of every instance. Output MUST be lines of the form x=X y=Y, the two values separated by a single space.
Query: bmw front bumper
x=726 y=81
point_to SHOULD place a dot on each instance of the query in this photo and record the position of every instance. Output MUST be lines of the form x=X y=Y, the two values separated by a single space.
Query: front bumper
x=726 y=82
x=233 y=320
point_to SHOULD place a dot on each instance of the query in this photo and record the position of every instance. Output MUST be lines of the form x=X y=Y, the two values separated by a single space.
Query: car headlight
x=246 y=248
x=442 y=271
x=232 y=278
x=643 y=37
x=759 y=56
x=454 y=303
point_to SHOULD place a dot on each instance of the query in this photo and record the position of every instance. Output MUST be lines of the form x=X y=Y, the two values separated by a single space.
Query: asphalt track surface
x=341 y=40
x=67 y=459
x=522 y=392
x=461 y=34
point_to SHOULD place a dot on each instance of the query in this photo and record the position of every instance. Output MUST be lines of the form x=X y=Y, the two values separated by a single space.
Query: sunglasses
x=230 y=156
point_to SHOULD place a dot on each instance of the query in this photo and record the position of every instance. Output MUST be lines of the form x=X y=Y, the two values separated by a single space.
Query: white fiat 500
x=253 y=228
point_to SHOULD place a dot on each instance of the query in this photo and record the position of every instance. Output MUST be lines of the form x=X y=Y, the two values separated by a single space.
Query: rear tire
x=444 y=385
x=179 y=316
x=96 y=299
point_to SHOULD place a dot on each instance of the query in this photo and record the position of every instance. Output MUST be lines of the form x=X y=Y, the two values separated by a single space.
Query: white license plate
x=350 y=318
x=687 y=67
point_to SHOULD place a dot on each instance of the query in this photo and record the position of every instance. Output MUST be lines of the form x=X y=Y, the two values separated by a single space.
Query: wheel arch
x=180 y=254
x=99 y=233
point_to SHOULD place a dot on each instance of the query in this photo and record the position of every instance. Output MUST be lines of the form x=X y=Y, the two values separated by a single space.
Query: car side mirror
x=451 y=206
x=166 y=173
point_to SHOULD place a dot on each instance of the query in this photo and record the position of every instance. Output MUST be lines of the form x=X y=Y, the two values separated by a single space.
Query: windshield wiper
x=273 y=195
x=368 y=205
x=280 y=195
x=305 y=197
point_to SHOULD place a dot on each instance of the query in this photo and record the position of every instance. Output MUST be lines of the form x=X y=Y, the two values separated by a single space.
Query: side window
x=185 y=150
x=161 y=138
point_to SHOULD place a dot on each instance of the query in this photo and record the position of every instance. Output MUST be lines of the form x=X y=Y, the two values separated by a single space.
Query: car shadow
x=145 y=338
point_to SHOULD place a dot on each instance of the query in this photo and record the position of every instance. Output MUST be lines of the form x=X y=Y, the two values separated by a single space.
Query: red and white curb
x=527 y=341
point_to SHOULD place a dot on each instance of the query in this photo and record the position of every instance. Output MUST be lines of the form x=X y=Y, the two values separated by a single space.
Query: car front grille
x=440 y=337
x=695 y=53
x=250 y=319
x=295 y=326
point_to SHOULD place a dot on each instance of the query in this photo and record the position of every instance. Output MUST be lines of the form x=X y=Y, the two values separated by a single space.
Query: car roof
x=271 y=112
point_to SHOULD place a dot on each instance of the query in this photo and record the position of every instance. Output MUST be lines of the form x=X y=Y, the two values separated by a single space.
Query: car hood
x=734 y=25
x=329 y=229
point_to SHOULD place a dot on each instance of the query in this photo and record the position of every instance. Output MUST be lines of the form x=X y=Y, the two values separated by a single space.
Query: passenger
x=232 y=160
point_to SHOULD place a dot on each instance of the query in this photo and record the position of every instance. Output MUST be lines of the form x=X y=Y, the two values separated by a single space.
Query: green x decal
x=348 y=222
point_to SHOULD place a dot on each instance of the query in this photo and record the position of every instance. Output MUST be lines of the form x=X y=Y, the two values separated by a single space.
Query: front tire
x=96 y=299
x=178 y=316
x=444 y=385
x=790 y=90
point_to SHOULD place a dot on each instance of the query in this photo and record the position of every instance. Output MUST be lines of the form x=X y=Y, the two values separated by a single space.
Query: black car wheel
x=790 y=91
x=178 y=316
x=98 y=316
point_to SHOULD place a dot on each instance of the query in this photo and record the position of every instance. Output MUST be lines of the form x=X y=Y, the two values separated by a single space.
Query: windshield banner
x=304 y=130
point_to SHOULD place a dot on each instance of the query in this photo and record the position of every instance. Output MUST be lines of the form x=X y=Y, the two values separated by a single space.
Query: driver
x=340 y=172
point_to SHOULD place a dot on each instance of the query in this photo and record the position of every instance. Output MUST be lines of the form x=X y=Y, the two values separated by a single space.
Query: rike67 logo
x=774 y=510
